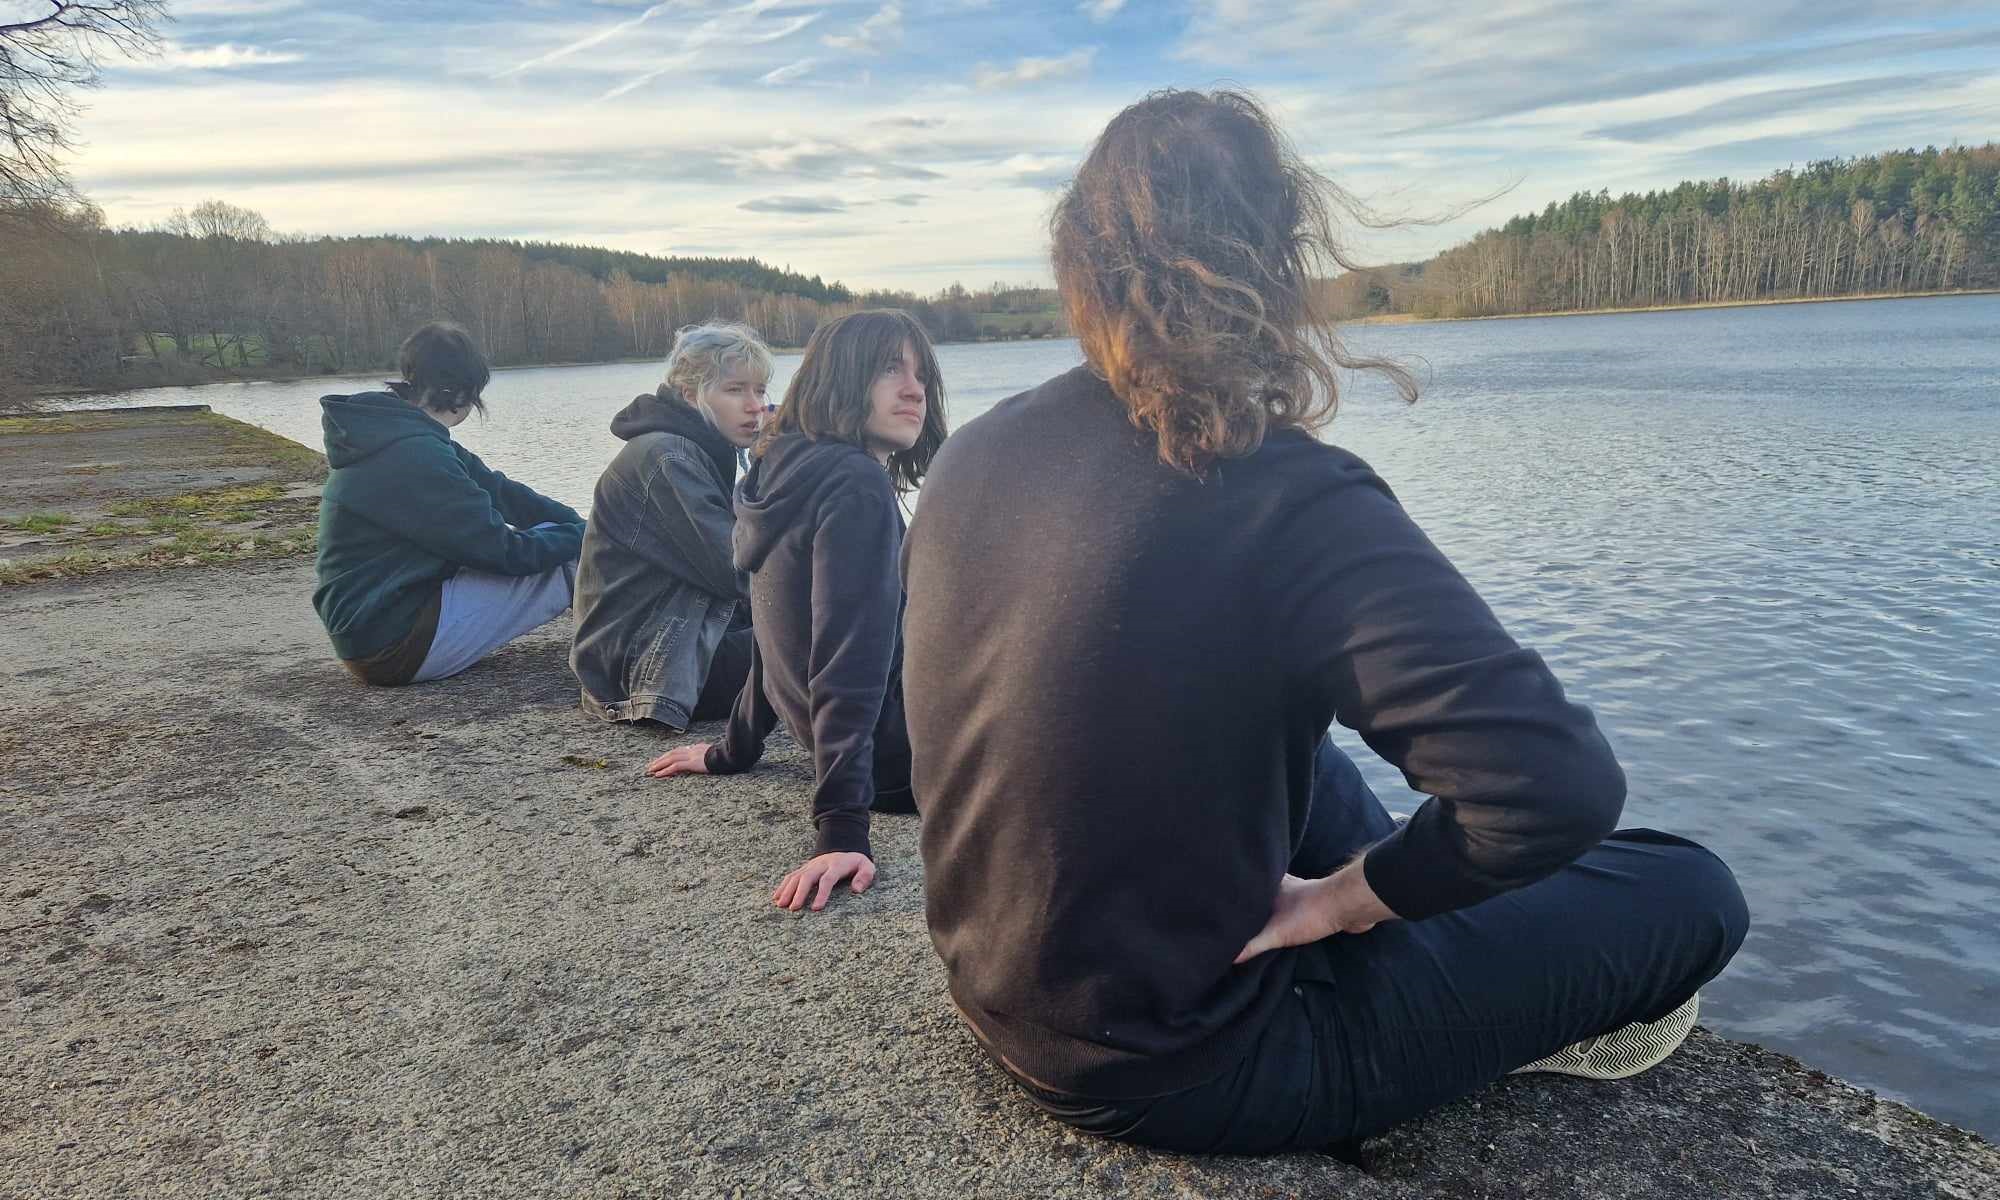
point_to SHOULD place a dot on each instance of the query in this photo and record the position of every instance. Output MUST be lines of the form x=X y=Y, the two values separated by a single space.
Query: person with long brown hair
x=1168 y=906
x=819 y=526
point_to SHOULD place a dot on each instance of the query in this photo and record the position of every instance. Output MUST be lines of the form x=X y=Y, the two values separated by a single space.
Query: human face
x=735 y=403
x=896 y=405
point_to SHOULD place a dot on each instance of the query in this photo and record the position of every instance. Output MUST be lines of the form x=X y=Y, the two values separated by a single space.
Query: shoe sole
x=1622 y=1053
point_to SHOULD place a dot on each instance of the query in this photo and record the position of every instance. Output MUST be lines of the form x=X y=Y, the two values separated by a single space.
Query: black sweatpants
x=1385 y=1025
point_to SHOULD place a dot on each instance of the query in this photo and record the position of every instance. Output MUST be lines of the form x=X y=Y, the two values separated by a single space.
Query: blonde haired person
x=662 y=614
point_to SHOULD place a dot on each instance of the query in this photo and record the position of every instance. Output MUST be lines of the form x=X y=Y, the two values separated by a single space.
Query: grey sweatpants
x=482 y=612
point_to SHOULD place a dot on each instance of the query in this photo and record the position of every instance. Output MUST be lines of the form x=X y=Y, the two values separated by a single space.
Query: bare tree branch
x=44 y=62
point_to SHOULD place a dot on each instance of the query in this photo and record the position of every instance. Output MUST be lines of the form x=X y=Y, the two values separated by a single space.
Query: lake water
x=1763 y=543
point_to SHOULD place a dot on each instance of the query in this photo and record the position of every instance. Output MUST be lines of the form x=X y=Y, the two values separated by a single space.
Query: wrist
x=1356 y=897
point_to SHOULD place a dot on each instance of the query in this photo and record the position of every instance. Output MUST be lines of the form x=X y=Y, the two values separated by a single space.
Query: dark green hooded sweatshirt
x=406 y=508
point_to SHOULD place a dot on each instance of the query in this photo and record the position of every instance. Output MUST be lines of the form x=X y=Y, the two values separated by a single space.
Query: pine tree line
x=1906 y=221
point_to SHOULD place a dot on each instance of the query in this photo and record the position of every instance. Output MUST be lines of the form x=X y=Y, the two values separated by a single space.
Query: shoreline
x=1410 y=319
x=67 y=392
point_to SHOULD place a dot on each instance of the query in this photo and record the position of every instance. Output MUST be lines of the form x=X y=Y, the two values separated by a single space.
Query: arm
x=1522 y=780
x=521 y=505
x=742 y=744
x=750 y=723
x=457 y=520
x=856 y=602
x=690 y=512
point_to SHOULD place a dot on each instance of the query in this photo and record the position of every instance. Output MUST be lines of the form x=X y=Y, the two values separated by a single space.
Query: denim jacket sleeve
x=690 y=510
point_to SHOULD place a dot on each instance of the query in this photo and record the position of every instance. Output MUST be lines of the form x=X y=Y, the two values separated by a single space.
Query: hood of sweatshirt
x=360 y=425
x=787 y=484
x=666 y=411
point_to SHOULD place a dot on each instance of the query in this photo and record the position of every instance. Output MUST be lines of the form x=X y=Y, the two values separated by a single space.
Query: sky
x=912 y=144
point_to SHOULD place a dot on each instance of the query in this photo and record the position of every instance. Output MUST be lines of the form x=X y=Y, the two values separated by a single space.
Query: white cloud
x=1101 y=11
x=588 y=40
x=789 y=71
x=1035 y=70
x=411 y=132
x=874 y=35
x=736 y=26
x=175 y=57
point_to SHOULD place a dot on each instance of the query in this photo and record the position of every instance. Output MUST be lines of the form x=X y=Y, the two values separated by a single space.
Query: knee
x=1707 y=890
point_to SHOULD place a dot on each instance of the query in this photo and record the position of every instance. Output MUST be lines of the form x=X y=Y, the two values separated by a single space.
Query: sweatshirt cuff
x=715 y=762
x=1415 y=870
x=842 y=833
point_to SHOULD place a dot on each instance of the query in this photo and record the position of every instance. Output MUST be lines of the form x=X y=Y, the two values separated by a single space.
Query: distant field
x=1046 y=322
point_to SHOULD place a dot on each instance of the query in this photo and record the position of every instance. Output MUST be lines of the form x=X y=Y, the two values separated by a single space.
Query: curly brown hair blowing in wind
x=1189 y=250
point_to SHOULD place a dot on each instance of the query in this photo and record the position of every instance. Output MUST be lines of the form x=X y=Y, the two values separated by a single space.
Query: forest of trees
x=214 y=292
x=1905 y=221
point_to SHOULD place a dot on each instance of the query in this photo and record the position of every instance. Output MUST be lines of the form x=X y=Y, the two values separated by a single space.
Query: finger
x=863 y=878
x=1251 y=949
x=827 y=880
x=802 y=889
x=783 y=896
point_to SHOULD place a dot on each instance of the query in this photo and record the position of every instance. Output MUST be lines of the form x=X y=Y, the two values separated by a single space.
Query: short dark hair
x=442 y=369
x=828 y=396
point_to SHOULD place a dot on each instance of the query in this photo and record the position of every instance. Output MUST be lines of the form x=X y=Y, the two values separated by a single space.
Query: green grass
x=211 y=504
x=192 y=547
x=199 y=527
x=41 y=522
x=1042 y=323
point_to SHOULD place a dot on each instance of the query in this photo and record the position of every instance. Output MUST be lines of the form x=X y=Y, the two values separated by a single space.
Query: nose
x=913 y=389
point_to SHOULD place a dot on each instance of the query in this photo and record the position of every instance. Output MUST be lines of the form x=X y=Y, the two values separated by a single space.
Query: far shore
x=68 y=391
x=1411 y=319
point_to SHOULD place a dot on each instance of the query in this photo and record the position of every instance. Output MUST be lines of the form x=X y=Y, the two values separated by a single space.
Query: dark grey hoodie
x=819 y=529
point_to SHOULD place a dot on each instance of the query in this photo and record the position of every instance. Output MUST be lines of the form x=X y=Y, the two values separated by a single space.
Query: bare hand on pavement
x=816 y=880
x=681 y=760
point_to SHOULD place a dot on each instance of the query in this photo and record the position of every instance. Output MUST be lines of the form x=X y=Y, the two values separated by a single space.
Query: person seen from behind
x=1168 y=906
x=429 y=560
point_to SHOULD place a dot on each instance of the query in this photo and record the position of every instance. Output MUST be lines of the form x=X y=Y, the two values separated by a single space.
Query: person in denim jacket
x=662 y=614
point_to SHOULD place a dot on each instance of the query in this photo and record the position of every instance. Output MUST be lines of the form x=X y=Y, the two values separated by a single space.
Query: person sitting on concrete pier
x=818 y=526
x=1168 y=906
x=662 y=614
x=429 y=560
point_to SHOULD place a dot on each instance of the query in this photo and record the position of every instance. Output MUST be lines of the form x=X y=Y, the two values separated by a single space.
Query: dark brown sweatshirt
x=1116 y=676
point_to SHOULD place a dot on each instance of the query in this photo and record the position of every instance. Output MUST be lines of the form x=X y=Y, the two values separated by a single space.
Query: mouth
x=911 y=414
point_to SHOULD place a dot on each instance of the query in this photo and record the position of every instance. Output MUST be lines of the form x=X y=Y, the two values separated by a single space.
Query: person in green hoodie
x=429 y=560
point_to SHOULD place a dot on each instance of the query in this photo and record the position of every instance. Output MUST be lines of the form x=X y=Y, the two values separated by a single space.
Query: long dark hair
x=442 y=369
x=828 y=397
x=1191 y=251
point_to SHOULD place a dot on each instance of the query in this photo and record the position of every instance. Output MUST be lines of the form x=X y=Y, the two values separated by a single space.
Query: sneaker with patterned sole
x=1622 y=1053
